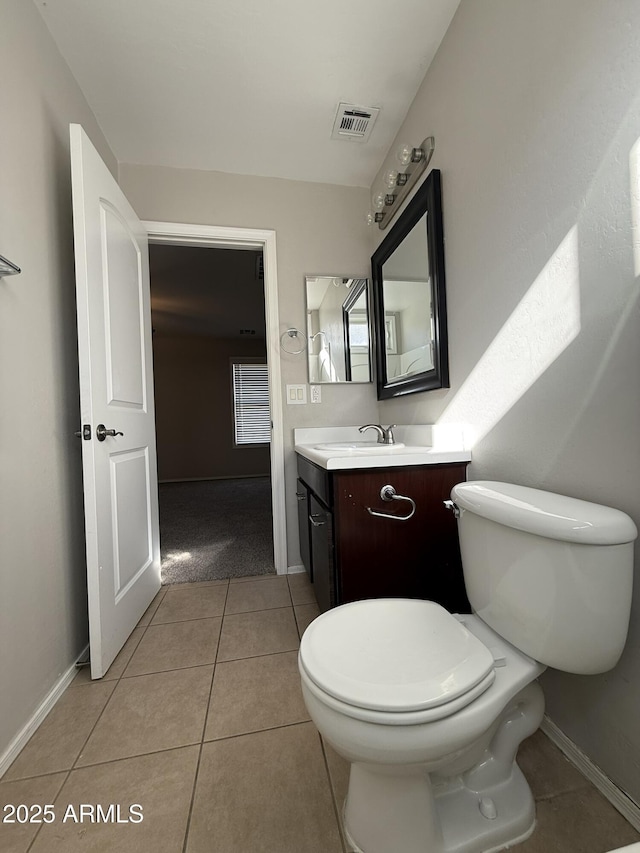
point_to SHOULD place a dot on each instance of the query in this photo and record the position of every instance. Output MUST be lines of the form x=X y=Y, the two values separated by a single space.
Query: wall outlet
x=296 y=395
x=316 y=393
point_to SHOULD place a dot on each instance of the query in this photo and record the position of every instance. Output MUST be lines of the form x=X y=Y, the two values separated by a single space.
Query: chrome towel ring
x=388 y=493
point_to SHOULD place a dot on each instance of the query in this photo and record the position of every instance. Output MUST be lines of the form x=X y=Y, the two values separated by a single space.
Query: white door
x=116 y=403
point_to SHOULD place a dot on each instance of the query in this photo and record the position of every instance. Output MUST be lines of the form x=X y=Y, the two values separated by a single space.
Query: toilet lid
x=393 y=655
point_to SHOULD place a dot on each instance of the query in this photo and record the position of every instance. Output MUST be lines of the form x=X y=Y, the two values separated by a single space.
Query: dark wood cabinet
x=322 y=553
x=302 y=496
x=354 y=554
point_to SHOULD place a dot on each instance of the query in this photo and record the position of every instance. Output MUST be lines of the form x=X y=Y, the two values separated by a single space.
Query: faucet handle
x=389 y=437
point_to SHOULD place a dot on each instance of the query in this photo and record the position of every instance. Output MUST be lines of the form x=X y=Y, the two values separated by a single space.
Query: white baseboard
x=9 y=755
x=624 y=804
x=295 y=570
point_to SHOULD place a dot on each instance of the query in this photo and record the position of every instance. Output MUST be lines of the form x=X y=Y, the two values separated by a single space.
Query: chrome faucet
x=385 y=436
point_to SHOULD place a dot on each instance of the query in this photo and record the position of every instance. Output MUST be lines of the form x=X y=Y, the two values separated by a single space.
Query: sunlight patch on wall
x=634 y=174
x=540 y=328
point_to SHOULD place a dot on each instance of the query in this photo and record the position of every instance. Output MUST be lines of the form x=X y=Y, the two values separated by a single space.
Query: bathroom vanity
x=357 y=544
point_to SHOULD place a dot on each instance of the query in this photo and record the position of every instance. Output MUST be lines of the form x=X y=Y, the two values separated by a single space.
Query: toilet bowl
x=443 y=737
x=430 y=708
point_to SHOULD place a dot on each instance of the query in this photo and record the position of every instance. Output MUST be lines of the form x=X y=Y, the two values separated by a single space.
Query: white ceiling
x=250 y=86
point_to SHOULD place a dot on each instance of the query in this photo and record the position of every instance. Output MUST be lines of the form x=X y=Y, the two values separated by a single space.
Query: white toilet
x=430 y=708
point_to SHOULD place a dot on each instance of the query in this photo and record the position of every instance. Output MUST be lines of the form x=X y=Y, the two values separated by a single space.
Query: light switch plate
x=296 y=395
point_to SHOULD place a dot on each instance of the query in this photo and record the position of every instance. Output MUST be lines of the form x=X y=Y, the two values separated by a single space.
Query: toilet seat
x=401 y=657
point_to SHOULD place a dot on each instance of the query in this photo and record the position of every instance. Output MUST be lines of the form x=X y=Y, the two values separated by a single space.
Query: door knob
x=102 y=432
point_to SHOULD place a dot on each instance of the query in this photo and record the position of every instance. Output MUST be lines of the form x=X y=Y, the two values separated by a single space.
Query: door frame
x=226 y=237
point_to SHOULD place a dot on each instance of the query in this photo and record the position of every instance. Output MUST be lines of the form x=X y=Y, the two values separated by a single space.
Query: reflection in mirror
x=409 y=298
x=338 y=329
x=407 y=303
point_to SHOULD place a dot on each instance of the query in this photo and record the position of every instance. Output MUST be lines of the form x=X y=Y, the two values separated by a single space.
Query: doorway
x=213 y=425
x=222 y=497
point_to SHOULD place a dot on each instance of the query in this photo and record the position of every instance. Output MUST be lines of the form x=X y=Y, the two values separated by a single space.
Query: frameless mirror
x=338 y=331
x=409 y=298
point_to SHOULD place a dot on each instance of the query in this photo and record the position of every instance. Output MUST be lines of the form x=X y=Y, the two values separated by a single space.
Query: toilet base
x=480 y=808
x=460 y=827
x=509 y=816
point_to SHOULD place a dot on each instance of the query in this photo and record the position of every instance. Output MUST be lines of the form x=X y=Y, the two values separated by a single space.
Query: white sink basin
x=360 y=446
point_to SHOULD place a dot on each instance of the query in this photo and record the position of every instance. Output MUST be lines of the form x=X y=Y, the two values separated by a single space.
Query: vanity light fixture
x=413 y=161
x=7 y=267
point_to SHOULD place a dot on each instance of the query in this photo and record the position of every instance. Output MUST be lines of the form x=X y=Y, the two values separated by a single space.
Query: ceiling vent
x=354 y=123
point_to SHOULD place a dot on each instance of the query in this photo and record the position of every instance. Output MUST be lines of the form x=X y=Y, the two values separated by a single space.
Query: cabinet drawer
x=317 y=479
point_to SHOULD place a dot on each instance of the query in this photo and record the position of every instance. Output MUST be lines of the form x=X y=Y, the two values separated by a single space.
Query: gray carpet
x=216 y=529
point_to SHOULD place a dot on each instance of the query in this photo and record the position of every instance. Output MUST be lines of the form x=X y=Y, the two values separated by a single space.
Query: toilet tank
x=551 y=574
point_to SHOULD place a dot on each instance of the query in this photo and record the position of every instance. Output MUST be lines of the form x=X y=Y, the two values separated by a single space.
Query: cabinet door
x=386 y=557
x=302 y=496
x=322 y=554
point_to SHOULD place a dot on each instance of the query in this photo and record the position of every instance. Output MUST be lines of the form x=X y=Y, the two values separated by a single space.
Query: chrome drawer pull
x=388 y=493
x=312 y=519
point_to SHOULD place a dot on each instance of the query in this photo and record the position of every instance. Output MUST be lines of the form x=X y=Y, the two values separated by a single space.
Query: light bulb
x=404 y=154
x=378 y=201
x=369 y=218
x=407 y=154
x=391 y=178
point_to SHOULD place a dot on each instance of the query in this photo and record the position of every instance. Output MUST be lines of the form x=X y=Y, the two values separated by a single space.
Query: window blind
x=252 y=418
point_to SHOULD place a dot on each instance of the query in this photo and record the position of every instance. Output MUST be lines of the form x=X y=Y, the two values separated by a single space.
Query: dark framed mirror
x=409 y=298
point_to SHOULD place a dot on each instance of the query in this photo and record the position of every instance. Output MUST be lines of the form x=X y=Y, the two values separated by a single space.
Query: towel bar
x=388 y=493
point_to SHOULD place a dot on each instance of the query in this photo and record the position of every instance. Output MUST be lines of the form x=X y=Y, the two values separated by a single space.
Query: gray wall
x=320 y=228
x=194 y=410
x=43 y=611
x=535 y=109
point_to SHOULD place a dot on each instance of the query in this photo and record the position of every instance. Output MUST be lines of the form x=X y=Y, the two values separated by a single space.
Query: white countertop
x=322 y=446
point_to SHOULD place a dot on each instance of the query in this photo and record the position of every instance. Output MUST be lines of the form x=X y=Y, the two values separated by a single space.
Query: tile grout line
x=291 y=598
x=260 y=731
x=165 y=671
x=115 y=687
x=123 y=676
x=111 y=695
x=73 y=766
x=113 y=681
x=202 y=741
x=235 y=613
x=160 y=751
x=58 y=792
x=110 y=761
x=336 y=811
x=204 y=728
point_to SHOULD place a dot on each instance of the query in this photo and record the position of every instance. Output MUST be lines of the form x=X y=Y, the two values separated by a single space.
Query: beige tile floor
x=201 y=722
